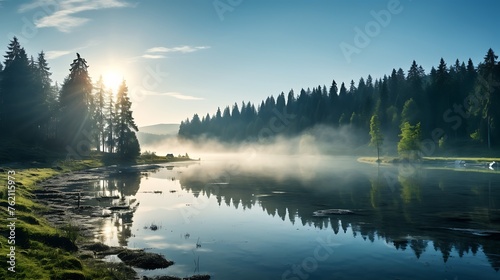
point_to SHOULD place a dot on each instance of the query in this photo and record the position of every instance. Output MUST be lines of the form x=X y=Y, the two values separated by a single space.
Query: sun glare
x=112 y=80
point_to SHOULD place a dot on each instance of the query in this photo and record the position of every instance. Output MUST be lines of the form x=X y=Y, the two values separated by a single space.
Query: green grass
x=431 y=159
x=37 y=242
x=439 y=162
x=160 y=159
x=469 y=159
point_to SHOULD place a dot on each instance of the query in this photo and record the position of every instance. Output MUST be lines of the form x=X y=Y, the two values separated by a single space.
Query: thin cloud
x=153 y=56
x=56 y=54
x=63 y=18
x=181 y=49
x=183 y=97
x=174 y=95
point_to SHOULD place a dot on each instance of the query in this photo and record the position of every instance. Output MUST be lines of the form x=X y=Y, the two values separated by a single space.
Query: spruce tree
x=127 y=145
x=377 y=138
x=75 y=100
x=47 y=100
x=382 y=105
x=99 y=117
x=110 y=123
x=18 y=94
x=488 y=86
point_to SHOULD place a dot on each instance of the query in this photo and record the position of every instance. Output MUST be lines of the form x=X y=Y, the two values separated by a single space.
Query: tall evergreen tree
x=19 y=94
x=343 y=105
x=382 y=105
x=127 y=145
x=75 y=101
x=99 y=113
x=110 y=118
x=376 y=136
x=488 y=86
x=46 y=107
x=333 y=104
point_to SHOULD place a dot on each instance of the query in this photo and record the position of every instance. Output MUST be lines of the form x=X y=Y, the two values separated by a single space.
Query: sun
x=112 y=80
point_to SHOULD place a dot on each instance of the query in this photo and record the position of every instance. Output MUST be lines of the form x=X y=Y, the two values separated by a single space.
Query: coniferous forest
x=455 y=105
x=74 y=119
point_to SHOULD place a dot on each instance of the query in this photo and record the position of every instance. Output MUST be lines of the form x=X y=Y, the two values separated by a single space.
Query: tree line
x=454 y=104
x=75 y=118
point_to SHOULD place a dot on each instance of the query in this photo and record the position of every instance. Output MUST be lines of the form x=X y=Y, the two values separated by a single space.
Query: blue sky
x=181 y=57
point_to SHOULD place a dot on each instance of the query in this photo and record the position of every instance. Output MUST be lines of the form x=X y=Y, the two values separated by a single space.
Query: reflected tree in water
x=400 y=214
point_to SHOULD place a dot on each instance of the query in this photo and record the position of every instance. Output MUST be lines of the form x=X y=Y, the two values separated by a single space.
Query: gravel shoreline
x=70 y=204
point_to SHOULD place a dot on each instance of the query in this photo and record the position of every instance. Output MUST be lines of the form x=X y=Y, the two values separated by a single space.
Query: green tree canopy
x=377 y=138
x=409 y=144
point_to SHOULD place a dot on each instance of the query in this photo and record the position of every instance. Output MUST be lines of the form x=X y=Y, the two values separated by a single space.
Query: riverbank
x=429 y=159
x=480 y=164
x=32 y=246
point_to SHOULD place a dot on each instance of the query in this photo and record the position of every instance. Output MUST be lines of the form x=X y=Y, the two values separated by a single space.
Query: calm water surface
x=240 y=219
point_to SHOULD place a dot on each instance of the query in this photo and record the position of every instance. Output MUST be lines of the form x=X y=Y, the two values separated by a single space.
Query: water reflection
x=116 y=190
x=415 y=210
x=410 y=210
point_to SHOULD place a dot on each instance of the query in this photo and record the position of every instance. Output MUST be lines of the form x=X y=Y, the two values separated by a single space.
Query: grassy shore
x=430 y=159
x=40 y=250
x=473 y=164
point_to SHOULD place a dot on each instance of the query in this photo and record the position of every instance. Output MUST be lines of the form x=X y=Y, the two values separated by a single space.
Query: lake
x=249 y=218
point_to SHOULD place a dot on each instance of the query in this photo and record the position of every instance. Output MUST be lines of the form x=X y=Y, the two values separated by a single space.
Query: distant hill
x=161 y=129
x=154 y=134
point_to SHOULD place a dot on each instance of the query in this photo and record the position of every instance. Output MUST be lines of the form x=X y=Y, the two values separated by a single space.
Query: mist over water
x=263 y=208
x=301 y=157
x=320 y=140
x=258 y=216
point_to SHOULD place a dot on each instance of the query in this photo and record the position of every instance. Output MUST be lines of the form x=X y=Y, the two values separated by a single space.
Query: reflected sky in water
x=251 y=219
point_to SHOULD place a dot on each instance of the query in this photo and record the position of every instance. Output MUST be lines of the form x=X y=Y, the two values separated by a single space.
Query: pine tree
x=333 y=104
x=75 y=101
x=343 y=105
x=490 y=87
x=13 y=52
x=18 y=94
x=383 y=104
x=415 y=86
x=377 y=138
x=36 y=113
x=184 y=129
x=291 y=102
x=127 y=145
x=487 y=87
x=110 y=119
x=47 y=100
x=99 y=117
